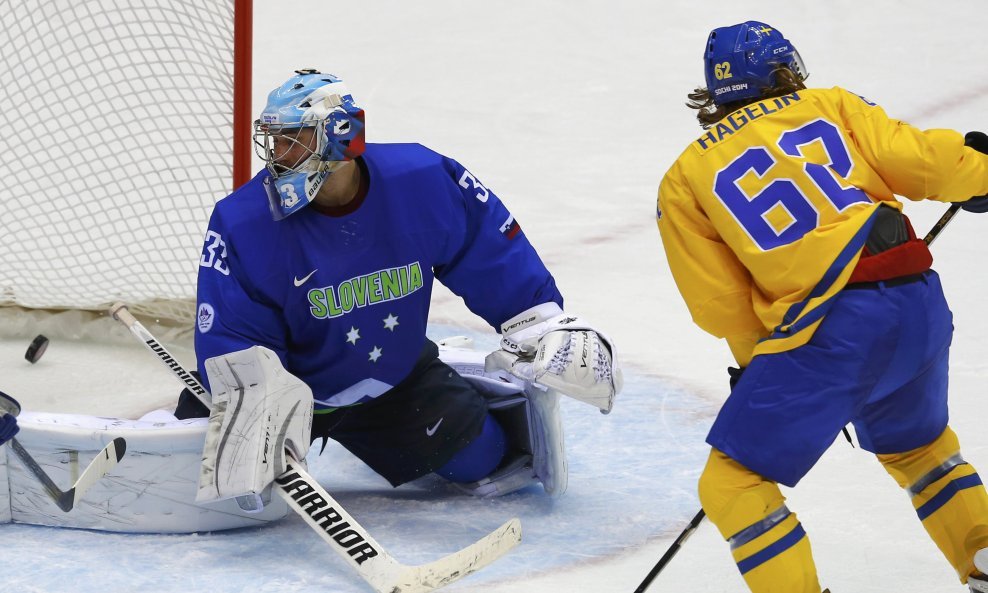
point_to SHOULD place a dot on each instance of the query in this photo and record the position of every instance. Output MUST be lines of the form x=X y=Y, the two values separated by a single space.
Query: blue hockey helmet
x=740 y=61
x=309 y=126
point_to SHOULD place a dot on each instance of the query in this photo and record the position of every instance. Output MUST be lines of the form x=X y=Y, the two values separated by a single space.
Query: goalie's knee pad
x=531 y=423
x=767 y=541
x=480 y=457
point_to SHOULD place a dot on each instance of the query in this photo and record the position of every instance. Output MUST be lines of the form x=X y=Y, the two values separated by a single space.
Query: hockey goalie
x=325 y=260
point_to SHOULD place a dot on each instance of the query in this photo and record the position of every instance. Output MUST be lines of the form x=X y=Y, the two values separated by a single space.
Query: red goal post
x=123 y=123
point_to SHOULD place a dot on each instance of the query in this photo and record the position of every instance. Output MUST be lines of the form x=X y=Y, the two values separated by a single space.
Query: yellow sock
x=767 y=541
x=948 y=496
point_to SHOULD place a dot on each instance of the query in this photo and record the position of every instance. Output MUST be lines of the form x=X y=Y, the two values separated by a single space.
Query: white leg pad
x=530 y=418
x=259 y=410
x=5 y=507
x=535 y=436
x=151 y=490
x=548 y=443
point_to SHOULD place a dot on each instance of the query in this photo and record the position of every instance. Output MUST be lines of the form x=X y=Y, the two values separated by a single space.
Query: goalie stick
x=105 y=460
x=335 y=526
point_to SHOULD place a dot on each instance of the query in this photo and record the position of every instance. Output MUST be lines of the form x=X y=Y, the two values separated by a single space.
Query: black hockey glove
x=735 y=374
x=9 y=409
x=189 y=405
x=978 y=141
x=978 y=205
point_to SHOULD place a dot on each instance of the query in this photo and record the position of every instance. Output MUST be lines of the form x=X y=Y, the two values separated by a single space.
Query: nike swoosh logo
x=302 y=281
x=431 y=431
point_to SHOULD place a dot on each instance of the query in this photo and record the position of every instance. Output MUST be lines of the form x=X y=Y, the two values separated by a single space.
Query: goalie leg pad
x=536 y=445
x=259 y=410
x=530 y=418
x=548 y=445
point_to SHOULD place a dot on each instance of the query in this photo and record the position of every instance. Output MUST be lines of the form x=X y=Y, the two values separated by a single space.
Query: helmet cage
x=273 y=143
x=337 y=137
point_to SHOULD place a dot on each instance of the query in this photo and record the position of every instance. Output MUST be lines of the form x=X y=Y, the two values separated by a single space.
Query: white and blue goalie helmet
x=309 y=126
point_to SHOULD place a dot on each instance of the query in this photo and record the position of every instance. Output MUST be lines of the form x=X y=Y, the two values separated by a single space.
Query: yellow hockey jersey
x=763 y=217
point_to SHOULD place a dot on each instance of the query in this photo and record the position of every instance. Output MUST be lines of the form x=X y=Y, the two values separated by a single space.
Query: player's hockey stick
x=978 y=141
x=673 y=549
x=940 y=224
x=340 y=530
x=695 y=522
x=105 y=460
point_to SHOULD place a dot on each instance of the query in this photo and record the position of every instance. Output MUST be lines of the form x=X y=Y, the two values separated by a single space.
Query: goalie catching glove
x=259 y=410
x=547 y=347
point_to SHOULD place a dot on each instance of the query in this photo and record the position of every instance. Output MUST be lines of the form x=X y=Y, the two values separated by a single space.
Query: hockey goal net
x=124 y=122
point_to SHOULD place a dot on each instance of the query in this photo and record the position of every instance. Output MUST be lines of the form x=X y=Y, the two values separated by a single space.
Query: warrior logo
x=311 y=502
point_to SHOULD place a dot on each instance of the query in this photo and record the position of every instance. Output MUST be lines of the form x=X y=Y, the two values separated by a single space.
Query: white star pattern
x=390 y=322
x=375 y=354
x=353 y=335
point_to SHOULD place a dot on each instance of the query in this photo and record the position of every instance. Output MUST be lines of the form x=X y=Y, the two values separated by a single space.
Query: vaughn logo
x=312 y=503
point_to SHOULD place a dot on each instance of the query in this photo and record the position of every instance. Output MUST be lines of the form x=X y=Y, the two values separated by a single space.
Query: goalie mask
x=309 y=126
x=740 y=61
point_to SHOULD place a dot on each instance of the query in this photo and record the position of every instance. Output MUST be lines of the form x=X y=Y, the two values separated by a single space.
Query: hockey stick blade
x=105 y=461
x=439 y=573
x=381 y=571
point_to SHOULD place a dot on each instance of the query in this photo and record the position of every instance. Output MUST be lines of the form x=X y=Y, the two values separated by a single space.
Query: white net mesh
x=116 y=142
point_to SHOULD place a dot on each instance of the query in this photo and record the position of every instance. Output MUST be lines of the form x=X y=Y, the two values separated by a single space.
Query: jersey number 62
x=750 y=211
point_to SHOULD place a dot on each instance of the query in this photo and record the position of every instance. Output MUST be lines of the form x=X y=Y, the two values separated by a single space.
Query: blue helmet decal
x=740 y=61
x=309 y=126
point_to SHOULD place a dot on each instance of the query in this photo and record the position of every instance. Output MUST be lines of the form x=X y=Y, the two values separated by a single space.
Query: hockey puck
x=36 y=349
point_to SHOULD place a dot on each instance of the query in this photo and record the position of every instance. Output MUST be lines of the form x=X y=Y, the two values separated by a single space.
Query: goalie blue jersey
x=344 y=300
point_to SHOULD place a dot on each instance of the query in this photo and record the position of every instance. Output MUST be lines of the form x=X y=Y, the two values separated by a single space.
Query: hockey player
x=9 y=409
x=784 y=235
x=325 y=261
